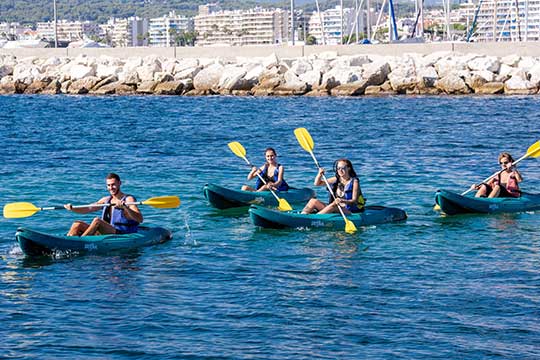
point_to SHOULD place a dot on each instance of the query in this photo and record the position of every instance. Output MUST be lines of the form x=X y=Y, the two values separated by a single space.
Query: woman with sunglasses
x=345 y=189
x=273 y=181
x=505 y=183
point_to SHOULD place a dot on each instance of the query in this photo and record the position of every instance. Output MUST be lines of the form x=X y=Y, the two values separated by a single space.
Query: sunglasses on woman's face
x=504 y=162
x=342 y=168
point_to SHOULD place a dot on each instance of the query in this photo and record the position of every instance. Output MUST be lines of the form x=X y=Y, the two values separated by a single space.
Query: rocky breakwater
x=324 y=74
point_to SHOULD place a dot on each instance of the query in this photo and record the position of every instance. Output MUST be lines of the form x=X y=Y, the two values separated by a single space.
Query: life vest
x=264 y=174
x=512 y=185
x=348 y=195
x=116 y=218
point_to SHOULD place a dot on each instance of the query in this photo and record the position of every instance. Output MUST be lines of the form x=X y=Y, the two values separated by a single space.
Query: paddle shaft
x=498 y=172
x=89 y=205
x=260 y=177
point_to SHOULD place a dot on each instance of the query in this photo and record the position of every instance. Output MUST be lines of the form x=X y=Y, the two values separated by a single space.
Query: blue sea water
x=465 y=287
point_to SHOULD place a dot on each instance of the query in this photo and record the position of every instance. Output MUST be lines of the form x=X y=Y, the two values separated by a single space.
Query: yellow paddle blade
x=163 y=202
x=304 y=138
x=349 y=226
x=284 y=205
x=20 y=210
x=534 y=150
x=237 y=149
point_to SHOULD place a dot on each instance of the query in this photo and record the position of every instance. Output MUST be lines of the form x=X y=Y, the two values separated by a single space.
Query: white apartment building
x=504 y=20
x=164 y=31
x=132 y=31
x=12 y=30
x=331 y=20
x=256 y=26
x=67 y=30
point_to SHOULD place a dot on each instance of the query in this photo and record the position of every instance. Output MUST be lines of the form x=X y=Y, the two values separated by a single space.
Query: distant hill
x=32 y=11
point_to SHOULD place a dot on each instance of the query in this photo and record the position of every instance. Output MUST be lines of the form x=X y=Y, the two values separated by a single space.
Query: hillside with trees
x=32 y=11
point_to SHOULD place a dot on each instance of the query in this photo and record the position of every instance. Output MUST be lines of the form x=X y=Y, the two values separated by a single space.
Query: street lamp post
x=55 y=27
x=292 y=22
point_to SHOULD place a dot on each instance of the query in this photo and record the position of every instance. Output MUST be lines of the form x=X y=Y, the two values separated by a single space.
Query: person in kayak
x=271 y=166
x=505 y=183
x=346 y=192
x=116 y=218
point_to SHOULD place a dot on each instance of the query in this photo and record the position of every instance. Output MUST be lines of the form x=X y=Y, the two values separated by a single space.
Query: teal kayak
x=452 y=203
x=35 y=243
x=372 y=215
x=223 y=198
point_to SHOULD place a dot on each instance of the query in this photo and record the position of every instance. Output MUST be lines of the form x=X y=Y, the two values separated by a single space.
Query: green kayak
x=372 y=215
x=452 y=203
x=223 y=198
x=35 y=243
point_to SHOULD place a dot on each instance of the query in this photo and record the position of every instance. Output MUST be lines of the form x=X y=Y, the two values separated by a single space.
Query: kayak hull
x=36 y=243
x=224 y=198
x=452 y=203
x=372 y=215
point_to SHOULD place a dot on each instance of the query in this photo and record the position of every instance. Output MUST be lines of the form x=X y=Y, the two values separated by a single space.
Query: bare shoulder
x=103 y=200
x=130 y=198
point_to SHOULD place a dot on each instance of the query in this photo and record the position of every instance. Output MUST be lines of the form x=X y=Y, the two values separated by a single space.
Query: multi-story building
x=68 y=30
x=12 y=31
x=503 y=20
x=256 y=26
x=132 y=31
x=167 y=31
x=331 y=20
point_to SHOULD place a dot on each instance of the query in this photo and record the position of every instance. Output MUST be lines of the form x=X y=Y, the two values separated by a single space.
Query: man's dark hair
x=113 y=176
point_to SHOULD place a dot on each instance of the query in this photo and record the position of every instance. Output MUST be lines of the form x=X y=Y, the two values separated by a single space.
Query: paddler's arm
x=318 y=179
x=131 y=212
x=517 y=174
x=253 y=173
x=86 y=209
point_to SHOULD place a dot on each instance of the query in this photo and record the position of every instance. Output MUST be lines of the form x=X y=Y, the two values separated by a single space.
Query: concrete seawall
x=489 y=49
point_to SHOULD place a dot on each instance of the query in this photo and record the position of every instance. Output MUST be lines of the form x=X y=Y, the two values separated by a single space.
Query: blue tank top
x=118 y=219
x=348 y=195
x=282 y=187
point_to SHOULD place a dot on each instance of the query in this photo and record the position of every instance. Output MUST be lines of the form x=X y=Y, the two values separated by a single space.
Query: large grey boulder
x=147 y=87
x=519 y=85
x=232 y=78
x=312 y=78
x=291 y=85
x=83 y=86
x=169 y=88
x=484 y=63
x=351 y=89
x=403 y=76
x=37 y=86
x=452 y=84
x=79 y=71
x=208 y=78
x=490 y=88
x=25 y=74
x=375 y=73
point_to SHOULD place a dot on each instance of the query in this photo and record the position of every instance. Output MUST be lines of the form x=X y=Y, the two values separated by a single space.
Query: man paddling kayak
x=116 y=218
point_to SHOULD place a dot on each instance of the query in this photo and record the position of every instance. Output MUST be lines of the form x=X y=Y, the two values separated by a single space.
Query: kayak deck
x=372 y=215
x=452 y=203
x=36 y=243
x=223 y=198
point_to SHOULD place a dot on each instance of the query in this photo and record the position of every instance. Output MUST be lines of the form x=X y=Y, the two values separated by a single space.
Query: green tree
x=311 y=40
